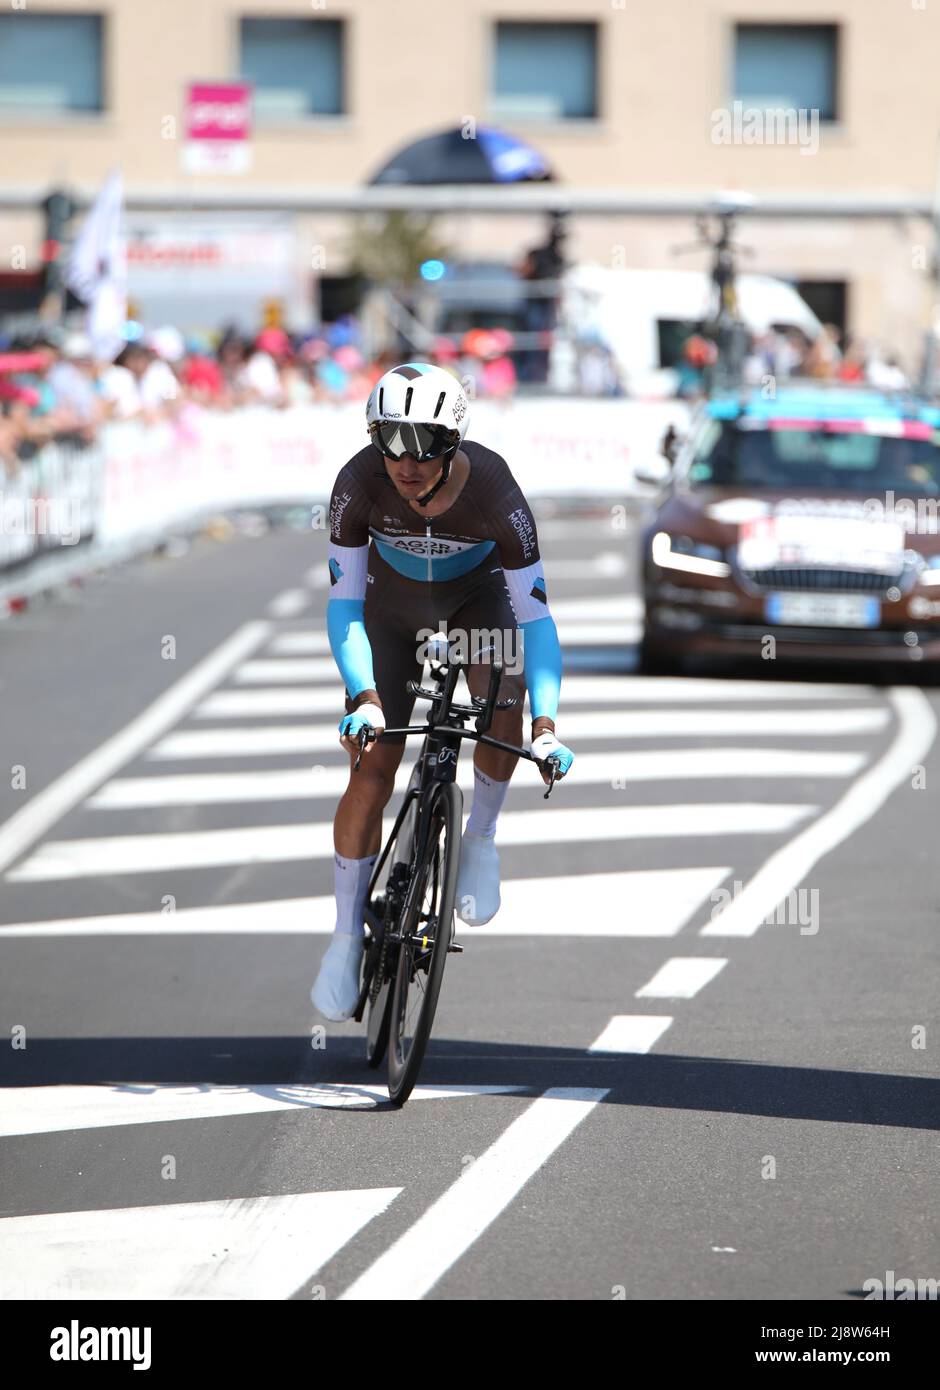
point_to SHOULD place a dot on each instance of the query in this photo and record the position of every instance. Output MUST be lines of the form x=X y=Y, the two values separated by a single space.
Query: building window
x=788 y=65
x=547 y=71
x=50 y=64
x=296 y=66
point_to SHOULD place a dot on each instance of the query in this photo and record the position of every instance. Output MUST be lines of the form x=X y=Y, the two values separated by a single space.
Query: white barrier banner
x=158 y=476
x=49 y=501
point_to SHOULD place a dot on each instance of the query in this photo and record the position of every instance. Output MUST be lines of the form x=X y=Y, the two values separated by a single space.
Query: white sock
x=488 y=798
x=351 y=884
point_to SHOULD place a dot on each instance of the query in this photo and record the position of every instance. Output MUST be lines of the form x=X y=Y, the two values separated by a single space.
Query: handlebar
x=552 y=762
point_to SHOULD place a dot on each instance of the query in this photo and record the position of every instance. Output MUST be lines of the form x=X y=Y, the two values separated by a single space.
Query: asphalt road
x=694 y=1056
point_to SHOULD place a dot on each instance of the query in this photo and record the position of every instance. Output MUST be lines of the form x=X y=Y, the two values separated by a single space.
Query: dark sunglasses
x=396 y=438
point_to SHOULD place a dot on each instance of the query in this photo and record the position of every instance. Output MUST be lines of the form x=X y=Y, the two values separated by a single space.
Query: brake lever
x=366 y=735
x=552 y=760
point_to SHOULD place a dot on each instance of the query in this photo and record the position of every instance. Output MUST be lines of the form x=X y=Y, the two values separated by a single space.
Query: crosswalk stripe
x=610 y=607
x=784 y=870
x=608 y=564
x=262 y=703
x=690 y=690
x=275 y=844
x=583 y=634
x=419 y=1258
x=237 y=1248
x=288 y=604
x=629 y=903
x=54 y=1109
x=594 y=769
x=260 y=740
x=631 y=1033
x=618 y=626
x=681 y=977
x=24 y=827
x=286 y=669
x=301 y=643
x=594 y=528
x=610 y=689
x=272 y=702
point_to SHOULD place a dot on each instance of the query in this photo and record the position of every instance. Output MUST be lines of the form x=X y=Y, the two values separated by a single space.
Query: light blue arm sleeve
x=352 y=651
x=541 y=662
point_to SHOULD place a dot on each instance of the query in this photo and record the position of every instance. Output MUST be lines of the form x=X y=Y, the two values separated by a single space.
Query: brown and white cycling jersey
x=490 y=516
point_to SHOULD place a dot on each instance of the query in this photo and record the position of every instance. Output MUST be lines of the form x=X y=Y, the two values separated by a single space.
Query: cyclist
x=454 y=548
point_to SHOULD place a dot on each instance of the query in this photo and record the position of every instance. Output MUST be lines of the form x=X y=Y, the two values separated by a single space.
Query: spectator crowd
x=53 y=386
x=779 y=356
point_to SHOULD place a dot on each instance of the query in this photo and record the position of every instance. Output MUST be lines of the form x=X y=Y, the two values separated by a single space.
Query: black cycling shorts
x=397 y=609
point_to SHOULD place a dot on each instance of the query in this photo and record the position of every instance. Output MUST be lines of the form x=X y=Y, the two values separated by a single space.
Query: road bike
x=411 y=900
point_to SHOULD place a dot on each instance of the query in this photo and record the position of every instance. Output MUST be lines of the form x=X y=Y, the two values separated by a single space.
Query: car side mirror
x=669 y=445
x=656 y=472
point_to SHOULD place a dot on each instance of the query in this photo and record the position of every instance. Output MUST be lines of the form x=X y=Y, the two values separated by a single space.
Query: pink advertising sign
x=218 y=127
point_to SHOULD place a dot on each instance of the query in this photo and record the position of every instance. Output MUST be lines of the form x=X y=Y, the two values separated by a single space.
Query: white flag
x=97 y=269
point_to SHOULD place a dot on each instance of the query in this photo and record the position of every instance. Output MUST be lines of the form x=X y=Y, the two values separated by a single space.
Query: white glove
x=366 y=715
x=547 y=746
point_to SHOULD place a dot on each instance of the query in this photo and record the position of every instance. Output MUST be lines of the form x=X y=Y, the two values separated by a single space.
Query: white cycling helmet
x=421 y=411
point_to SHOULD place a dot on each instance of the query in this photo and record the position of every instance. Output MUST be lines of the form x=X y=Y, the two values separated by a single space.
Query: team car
x=799 y=523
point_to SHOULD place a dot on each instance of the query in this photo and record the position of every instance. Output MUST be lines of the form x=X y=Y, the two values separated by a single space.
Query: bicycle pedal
x=456 y=947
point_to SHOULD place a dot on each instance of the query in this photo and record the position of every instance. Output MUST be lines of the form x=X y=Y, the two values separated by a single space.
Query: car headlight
x=930 y=574
x=690 y=556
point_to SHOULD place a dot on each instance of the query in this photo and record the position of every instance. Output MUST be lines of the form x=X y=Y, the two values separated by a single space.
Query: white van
x=644 y=316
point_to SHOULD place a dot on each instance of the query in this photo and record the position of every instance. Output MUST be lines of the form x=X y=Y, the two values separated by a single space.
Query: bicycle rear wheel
x=426 y=934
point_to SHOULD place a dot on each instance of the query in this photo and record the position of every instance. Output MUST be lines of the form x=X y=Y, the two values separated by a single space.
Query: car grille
x=823 y=580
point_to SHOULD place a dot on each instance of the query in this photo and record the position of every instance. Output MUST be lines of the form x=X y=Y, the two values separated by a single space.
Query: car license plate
x=822 y=610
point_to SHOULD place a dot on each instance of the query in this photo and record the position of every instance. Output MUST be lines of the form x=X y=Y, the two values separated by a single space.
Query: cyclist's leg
x=392 y=617
x=486 y=616
x=357 y=825
x=486 y=624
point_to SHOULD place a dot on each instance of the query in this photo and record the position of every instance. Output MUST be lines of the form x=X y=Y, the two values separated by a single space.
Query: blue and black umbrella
x=490 y=156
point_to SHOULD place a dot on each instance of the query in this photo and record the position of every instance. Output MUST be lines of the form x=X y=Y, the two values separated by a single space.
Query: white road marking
x=607 y=564
x=277 y=844
x=317 y=577
x=286 y=669
x=598 y=607
x=596 y=528
x=631 y=1033
x=48 y=806
x=267 y=740
x=693 y=690
x=681 y=977
x=301 y=784
x=52 y=1109
x=208 y=788
x=783 y=723
x=311 y=643
x=638 y=903
x=288 y=604
x=411 y=1267
x=240 y=1248
x=616 y=633
x=265 y=704
x=277 y=701
x=789 y=866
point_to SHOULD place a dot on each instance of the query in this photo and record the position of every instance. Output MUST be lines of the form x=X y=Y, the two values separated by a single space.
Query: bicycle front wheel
x=426 y=935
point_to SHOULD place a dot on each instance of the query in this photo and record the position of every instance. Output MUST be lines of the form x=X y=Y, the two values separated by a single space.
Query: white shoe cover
x=336 y=990
x=477 y=880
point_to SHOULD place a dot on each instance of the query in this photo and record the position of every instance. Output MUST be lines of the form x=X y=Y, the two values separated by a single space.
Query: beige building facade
x=653 y=105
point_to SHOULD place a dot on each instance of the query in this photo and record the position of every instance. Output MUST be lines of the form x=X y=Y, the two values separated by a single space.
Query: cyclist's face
x=410 y=477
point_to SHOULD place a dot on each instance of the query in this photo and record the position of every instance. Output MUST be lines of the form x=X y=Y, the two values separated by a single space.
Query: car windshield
x=823 y=458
